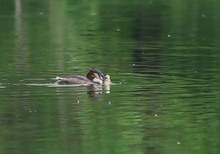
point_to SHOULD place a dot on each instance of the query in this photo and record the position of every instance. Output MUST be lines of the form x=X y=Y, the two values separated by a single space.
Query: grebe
x=94 y=76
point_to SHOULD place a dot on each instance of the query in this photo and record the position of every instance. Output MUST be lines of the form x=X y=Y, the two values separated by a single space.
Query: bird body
x=94 y=76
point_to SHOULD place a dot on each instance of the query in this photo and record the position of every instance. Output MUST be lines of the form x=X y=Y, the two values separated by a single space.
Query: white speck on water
x=78 y=101
x=168 y=35
x=178 y=142
x=110 y=103
x=174 y=77
x=118 y=29
x=155 y=115
x=203 y=15
x=133 y=64
x=30 y=111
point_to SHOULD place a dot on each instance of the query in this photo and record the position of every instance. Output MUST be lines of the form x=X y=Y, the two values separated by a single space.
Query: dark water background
x=163 y=58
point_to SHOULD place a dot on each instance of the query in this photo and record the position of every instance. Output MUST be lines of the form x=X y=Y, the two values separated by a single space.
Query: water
x=163 y=58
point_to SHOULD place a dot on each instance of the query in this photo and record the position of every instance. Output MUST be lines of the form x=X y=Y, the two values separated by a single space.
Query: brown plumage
x=94 y=76
x=74 y=79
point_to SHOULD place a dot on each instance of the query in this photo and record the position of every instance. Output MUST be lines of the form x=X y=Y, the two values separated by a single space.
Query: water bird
x=94 y=76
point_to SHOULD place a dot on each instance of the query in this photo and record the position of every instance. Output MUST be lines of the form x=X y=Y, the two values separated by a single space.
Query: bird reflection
x=95 y=91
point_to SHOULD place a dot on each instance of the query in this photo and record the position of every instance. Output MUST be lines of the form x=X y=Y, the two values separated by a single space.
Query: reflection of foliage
x=75 y=35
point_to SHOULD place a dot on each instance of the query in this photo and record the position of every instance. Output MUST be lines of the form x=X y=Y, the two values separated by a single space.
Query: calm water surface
x=163 y=59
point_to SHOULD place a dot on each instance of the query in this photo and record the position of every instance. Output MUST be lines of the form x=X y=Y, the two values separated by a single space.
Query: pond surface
x=163 y=58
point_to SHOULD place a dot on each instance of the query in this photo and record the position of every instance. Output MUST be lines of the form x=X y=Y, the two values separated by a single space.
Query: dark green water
x=163 y=58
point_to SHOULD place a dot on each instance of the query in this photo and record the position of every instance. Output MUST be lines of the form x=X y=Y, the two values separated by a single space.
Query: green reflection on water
x=164 y=54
